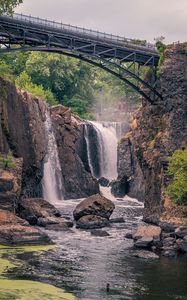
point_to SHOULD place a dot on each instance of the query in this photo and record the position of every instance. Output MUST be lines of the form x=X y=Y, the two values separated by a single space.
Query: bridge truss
x=119 y=56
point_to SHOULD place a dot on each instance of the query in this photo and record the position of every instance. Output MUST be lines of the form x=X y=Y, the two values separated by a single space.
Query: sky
x=141 y=19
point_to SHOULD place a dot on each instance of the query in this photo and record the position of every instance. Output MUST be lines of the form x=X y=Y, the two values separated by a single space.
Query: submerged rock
x=144 y=254
x=92 y=222
x=95 y=205
x=100 y=233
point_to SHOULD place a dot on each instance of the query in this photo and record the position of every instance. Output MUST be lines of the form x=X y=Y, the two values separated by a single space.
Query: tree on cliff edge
x=7 y=6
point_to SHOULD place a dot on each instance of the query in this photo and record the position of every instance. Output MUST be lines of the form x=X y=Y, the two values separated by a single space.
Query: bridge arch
x=106 y=54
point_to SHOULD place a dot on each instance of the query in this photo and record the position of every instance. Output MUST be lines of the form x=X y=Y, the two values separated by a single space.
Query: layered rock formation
x=159 y=130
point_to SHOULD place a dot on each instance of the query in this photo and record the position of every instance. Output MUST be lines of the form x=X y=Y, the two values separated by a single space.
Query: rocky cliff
x=22 y=131
x=158 y=131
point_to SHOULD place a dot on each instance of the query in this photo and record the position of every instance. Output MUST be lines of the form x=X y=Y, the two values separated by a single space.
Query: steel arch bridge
x=119 y=56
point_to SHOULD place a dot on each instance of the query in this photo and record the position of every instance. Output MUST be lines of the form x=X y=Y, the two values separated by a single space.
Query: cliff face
x=22 y=131
x=159 y=130
x=78 y=182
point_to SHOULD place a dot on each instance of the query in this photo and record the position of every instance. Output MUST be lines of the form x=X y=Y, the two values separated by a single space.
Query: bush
x=7 y=161
x=177 y=169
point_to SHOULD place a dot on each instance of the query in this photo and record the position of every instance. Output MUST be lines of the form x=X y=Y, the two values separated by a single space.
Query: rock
x=92 y=222
x=169 y=241
x=95 y=205
x=181 y=232
x=129 y=235
x=117 y=220
x=17 y=232
x=144 y=254
x=100 y=233
x=147 y=231
x=128 y=166
x=6 y=184
x=77 y=180
x=169 y=252
x=167 y=227
x=54 y=223
x=144 y=242
x=182 y=244
x=103 y=181
x=32 y=209
x=120 y=187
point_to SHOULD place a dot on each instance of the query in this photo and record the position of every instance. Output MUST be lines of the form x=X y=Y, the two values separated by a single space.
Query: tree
x=7 y=6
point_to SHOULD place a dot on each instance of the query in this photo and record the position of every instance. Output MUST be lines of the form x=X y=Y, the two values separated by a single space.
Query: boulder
x=92 y=222
x=146 y=236
x=181 y=231
x=103 y=181
x=95 y=205
x=16 y=232
x=32 y=209
x=182 y=244
x=147 y=231
x=39 y=212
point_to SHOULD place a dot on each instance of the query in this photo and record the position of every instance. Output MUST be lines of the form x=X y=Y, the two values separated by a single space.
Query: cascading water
x=52 y=179
x=106 y=148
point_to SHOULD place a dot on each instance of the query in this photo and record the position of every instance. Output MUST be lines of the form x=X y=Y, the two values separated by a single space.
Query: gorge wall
x=158 y=130
x=22 y=131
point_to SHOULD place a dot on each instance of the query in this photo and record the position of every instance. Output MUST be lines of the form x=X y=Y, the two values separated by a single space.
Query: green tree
x=7 y=6
x=177 y=169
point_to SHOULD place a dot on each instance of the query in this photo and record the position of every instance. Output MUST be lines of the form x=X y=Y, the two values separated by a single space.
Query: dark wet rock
x=120 y=187
x=144 y=254
x=144 y=242
x=100 y=233
x=167 y=227
x=129 y=235
x=95 y=205
x=117 y=220
x=92 y=222
x=15 y=232
x=181 y=232
x=128 y=166
x=169 y=252
x=103 y=181
x=182 y=244
x=169 y=241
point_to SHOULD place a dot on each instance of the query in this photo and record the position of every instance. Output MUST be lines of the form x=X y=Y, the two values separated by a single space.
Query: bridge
x=119 y=56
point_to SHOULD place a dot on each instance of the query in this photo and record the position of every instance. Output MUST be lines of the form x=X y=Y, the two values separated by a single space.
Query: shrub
x=7 y=161
x=177 y=169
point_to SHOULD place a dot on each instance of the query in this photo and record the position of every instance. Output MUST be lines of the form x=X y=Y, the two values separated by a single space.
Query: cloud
x=144 y=19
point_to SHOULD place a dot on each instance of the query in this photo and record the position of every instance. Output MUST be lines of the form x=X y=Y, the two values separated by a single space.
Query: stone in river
x=92 y=222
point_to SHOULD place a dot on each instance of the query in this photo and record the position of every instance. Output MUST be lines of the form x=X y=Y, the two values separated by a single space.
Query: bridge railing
x=86 y=32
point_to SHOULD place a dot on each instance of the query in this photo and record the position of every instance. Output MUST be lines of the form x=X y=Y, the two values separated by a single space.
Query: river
x=82 y=264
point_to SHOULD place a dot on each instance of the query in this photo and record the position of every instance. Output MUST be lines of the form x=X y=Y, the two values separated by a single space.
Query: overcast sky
x=144 y=19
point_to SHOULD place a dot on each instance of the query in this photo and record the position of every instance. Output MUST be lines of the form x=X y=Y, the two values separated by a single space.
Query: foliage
x=7 y=161
x=7 y=6
x=24 y=81
x=161 y=47
x=64 y=80
x=177 y=168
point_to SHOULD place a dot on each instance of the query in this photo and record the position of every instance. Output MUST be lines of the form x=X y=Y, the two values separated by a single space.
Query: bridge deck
x=40 y=32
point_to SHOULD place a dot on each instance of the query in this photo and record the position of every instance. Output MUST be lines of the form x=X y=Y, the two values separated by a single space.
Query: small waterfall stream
x=52 y=179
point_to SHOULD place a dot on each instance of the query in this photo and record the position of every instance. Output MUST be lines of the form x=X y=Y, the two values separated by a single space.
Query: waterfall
x=52 y=179
x=101 y=149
